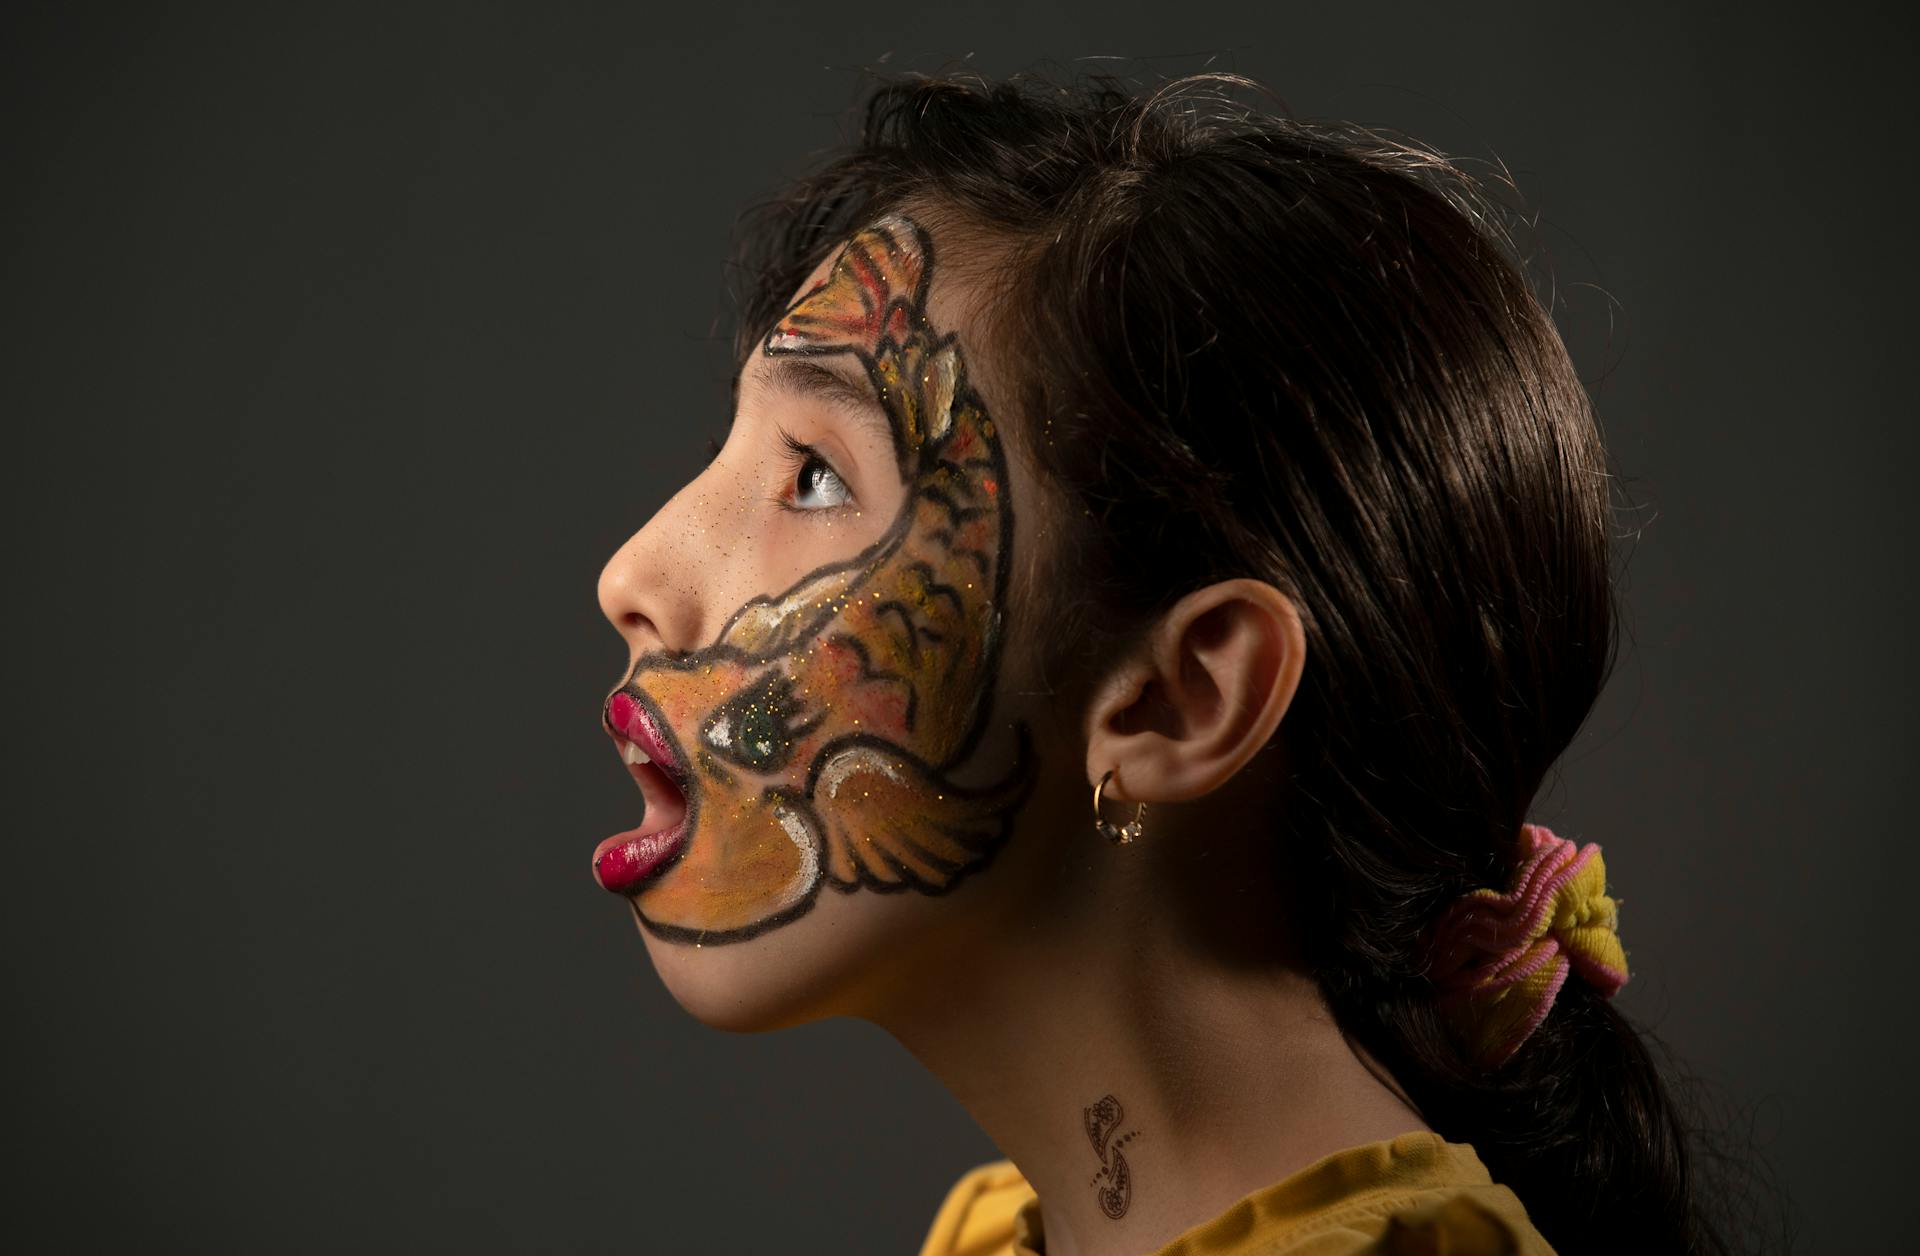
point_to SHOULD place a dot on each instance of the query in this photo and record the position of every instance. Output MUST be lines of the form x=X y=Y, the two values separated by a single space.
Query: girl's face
x=818 y=713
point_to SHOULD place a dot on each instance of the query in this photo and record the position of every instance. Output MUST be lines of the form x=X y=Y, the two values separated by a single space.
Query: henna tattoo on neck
x=1114 y=1180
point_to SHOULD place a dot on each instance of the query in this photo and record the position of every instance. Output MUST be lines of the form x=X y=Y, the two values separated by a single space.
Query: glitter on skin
x=872 y=676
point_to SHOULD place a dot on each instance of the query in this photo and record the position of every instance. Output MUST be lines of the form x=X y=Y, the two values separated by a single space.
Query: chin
x=822 y=964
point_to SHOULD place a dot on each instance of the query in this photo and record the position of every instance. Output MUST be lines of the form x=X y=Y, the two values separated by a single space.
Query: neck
x=1224 y=1065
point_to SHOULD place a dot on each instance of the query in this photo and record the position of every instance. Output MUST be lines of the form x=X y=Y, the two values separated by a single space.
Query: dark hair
x=1244 y=345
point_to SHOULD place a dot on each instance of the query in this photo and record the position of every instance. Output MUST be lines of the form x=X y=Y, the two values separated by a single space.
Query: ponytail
x=1303 y=353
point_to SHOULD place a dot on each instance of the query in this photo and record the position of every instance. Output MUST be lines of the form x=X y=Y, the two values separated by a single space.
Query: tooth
x=634 y=754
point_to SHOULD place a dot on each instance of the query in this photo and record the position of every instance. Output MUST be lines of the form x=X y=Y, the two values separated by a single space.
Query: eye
x=818 y=486
x=815 y=484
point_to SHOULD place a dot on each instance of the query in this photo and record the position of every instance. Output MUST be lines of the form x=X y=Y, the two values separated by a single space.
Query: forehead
x=946 y=282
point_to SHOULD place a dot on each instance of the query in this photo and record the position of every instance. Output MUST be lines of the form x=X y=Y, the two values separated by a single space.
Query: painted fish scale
x=932 y=603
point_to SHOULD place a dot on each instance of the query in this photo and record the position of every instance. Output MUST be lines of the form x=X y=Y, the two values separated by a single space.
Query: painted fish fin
x=767 y=626
x=875 y=291
x=891 y=822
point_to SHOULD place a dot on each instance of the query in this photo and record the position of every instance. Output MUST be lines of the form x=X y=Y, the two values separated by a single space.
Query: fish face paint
x=815 y=737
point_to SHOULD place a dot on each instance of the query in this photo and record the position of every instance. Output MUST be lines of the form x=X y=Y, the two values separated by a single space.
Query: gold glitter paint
x=823 y=722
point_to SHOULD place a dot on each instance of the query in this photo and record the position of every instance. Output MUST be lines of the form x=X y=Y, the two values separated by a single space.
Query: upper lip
x=626 y=718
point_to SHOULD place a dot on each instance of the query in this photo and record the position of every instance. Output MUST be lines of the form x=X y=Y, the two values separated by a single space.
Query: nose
x=650 y=590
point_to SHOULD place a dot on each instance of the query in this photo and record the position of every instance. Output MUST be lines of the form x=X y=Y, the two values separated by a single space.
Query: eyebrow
x=804 y=377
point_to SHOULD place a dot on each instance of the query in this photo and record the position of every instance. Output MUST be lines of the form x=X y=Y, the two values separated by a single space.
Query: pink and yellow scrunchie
x=1500 y=958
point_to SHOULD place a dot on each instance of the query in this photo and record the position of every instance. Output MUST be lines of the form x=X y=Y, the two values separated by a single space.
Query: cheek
x=725 y=542
x=730 y=536
x=852 y=699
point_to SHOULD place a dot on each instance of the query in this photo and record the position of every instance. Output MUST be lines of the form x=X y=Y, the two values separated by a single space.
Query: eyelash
x=798 y=455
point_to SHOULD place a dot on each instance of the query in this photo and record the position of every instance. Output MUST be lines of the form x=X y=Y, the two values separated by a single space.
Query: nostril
x=637 y=628
x=630 y=619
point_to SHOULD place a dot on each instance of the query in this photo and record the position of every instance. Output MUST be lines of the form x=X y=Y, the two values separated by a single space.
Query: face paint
x=824 y=721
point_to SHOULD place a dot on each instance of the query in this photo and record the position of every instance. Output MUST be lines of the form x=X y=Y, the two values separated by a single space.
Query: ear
x=1206 y=692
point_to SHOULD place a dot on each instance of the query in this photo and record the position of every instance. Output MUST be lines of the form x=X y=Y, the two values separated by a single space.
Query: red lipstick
x=627 y=718
x=624 y=862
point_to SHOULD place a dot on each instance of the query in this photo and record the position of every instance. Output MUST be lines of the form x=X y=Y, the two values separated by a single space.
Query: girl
x=1159 y=551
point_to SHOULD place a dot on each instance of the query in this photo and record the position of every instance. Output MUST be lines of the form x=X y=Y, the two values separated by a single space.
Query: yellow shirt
x=1414 y=1193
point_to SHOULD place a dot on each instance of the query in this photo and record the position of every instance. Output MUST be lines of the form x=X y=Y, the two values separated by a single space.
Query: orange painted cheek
x=745 y=868
x=853 y=701
x=883 y=712
x=687 y=698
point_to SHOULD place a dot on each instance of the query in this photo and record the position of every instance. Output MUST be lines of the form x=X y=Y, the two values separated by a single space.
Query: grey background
x=342 y=347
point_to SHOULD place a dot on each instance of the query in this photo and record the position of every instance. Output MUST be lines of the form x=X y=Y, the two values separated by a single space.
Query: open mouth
x=626 y=861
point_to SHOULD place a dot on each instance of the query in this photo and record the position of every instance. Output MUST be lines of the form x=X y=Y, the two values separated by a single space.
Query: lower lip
x=624 y=862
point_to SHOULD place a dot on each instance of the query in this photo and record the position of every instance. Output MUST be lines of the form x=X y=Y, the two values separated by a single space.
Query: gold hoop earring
x=1119 y=835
